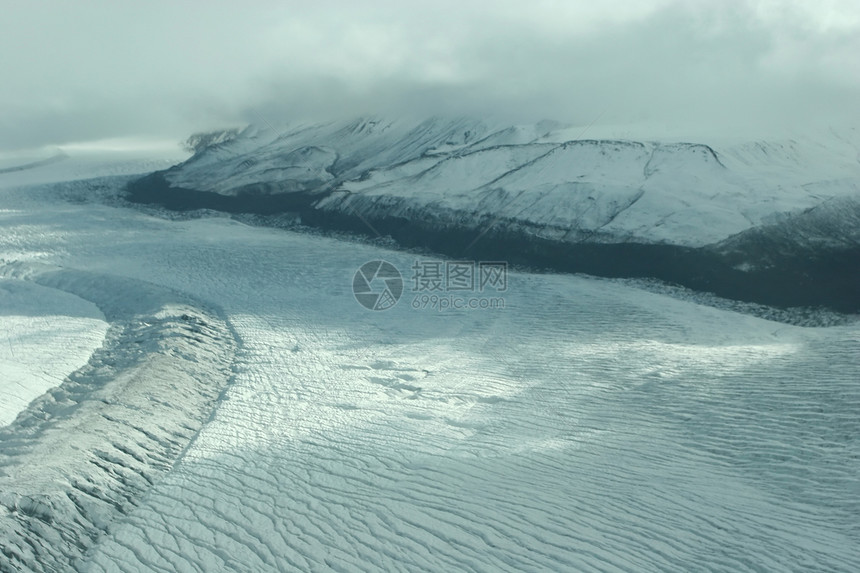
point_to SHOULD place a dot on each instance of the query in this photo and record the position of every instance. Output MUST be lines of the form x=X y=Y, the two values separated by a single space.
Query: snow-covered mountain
x=716 y=216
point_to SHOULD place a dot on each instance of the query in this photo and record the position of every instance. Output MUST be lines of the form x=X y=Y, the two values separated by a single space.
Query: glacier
x=70 y=326
x=245 y=413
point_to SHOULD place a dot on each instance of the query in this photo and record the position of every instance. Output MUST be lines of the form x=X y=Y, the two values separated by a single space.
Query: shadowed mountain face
x=770 y=222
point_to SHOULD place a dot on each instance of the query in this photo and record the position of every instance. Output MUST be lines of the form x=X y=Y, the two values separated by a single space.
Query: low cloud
x=97 y=70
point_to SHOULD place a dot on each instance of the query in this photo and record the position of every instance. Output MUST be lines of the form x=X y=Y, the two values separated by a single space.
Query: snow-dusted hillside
x=680 y=193
x=538 y=194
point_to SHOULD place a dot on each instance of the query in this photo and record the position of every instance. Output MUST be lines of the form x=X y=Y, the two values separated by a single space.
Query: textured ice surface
x=86 y=451
x=588 y=426
x=85 y=161
x=45 y=334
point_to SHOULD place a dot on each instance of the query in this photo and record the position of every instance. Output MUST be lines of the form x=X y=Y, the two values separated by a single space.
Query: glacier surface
x=587 y=426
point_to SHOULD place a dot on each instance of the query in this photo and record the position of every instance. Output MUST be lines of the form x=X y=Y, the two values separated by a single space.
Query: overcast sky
x=83 y=70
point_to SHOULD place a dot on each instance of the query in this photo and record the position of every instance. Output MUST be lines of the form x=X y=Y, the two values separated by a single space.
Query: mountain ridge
x=547 y=202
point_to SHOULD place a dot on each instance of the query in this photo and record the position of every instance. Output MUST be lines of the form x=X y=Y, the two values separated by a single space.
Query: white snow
x=648 y=192
x=44 y=335
x=545 y=176
x=588 y=426
x=87 y=160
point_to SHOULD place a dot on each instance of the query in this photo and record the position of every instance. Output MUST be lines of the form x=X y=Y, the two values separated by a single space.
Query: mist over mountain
x=685 y=69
